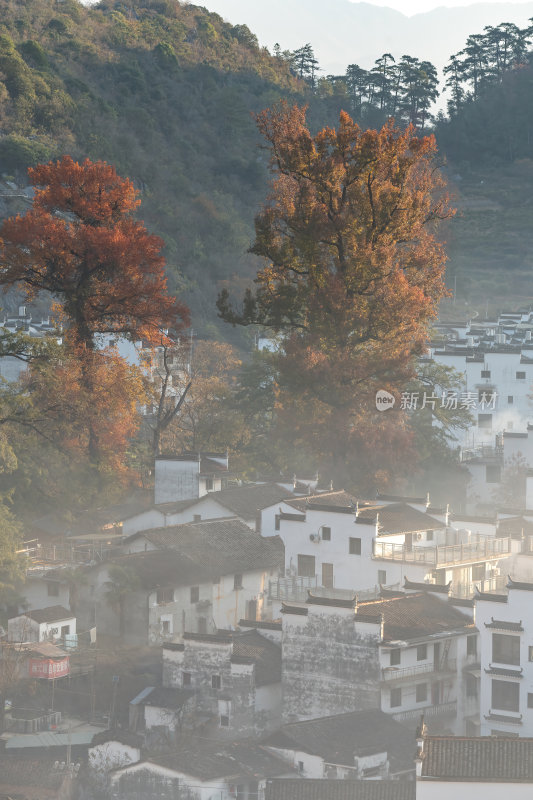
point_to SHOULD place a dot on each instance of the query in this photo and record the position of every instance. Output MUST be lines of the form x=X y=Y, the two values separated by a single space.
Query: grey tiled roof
x=416 y=615
x=208 y=760
x=341 y=738
x=485 y=758
x=222 y=546
x=245 y=501
x=324 y=789
x=49 y=614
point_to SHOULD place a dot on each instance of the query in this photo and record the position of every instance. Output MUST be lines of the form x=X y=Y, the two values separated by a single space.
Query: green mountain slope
x=165 y=92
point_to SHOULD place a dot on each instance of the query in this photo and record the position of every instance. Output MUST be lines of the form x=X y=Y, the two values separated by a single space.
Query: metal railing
x=443 y=555
x=394 y=674
x=293 y=588
x=443 y=709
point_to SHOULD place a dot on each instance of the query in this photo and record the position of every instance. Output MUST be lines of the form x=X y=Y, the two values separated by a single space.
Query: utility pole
x=116 y=679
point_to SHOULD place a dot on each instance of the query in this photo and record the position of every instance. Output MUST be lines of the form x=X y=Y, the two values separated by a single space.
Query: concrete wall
x=251 y=710
x=110 y=755
x=330 y=664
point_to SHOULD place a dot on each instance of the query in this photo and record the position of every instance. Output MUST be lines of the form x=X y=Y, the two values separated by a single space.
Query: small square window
x=421 y=692
x=215 y=682
x=237 y=581
x=429 y=536
x=395 y=697
x=382 y=577
x=395 y=657
x=195 y=594
x=186 y=678
x=355 y=546
x=196 y=517
x=53 y=589
x=530 y=652
x=421 y=652
x=510 y=399
x=209 y=484
x=224 y=721
x=485 y=373
x=529 y=700
x=165 y=627
x=326 y=534
x=520 y=376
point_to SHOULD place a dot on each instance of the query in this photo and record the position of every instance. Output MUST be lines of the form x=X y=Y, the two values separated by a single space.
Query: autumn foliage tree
x=81 y=243
x=353 y=274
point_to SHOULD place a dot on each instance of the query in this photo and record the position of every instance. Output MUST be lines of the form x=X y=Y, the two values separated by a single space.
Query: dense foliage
x=162 y=91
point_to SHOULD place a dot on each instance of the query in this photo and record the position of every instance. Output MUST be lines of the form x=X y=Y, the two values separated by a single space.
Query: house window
x=326 y=534
x=395 y=697
x=429 y=536
x=484 y=421
x=471 y=645
x=306 y=566
x=421 y=692
x=530 y=653
x=478 y=572
x=505 y=696
x=65 y=631
x=195 y=594
x=529 y=700
x=471 y=686
x=395 y=657
x=485 y=373
x=237 y=581
x=186 y=678
x=520 y=376
x=277 y=522
x=300 y=766
x=215 y=682
x=202 y=625
x=505 y=649
x=165 y=626
x=53 y=589
x=355 y=546
x=382 y=577
x=209 y=484
x=224 y=721
x=421 y=652
x=196 y=517
x=164 y=596
x=493 y=473
x=510 y=399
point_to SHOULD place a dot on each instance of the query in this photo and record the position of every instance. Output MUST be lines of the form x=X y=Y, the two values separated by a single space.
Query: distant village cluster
x=287 y=640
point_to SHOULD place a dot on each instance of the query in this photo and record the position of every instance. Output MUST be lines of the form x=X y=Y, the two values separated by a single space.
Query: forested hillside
x=164 y=92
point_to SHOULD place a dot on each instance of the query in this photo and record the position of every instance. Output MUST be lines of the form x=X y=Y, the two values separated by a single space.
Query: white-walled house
x=196 y=577
x=405 y=653
x=495 y=358
x=505 y=624
x=464 y=768
x=255 y=504
x=334 y=542
x=188 y=476
x=235 y=678
x=361 y=745
x=208 y=770
x=41 y=625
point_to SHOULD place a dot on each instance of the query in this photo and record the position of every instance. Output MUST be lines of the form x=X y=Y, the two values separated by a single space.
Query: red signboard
x=48 y=668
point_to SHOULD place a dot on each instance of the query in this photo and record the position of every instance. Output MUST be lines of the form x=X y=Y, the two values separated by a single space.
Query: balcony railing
x=292 y=589
x=444 y=555
x=396 y=674
x=441 y=710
